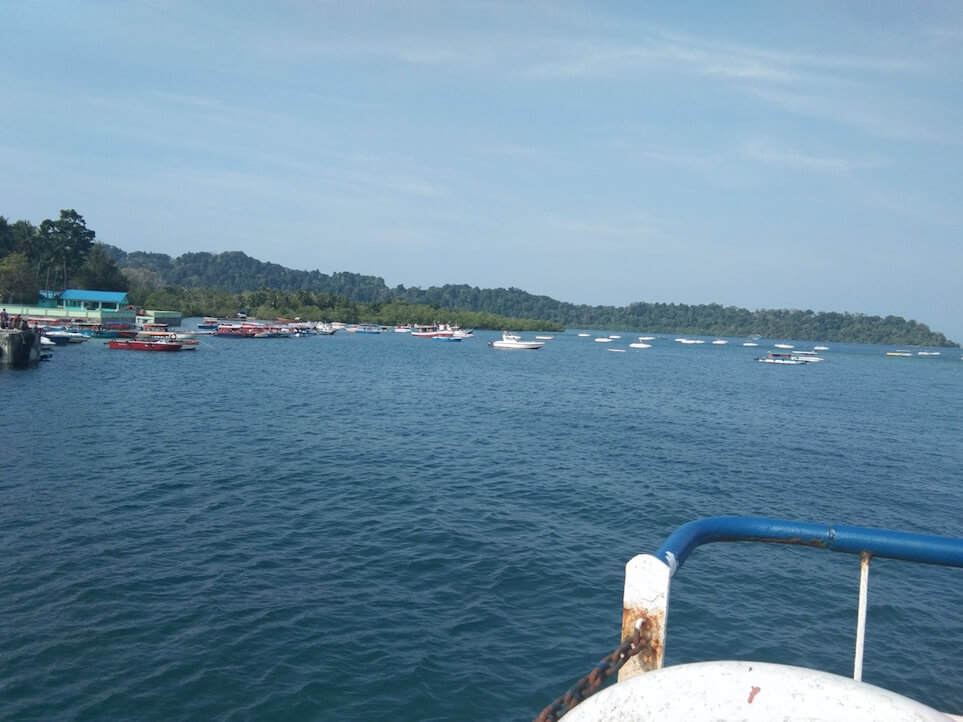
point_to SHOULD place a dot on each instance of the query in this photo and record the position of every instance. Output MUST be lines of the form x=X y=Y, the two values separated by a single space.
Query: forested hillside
x=236 y=272
x=62 y=253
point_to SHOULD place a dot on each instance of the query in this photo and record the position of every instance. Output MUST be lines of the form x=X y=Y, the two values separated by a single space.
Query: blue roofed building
x=93 y=300
x=108 y=308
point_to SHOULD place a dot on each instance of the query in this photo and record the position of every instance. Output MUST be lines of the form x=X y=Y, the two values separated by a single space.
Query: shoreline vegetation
x=63 y=254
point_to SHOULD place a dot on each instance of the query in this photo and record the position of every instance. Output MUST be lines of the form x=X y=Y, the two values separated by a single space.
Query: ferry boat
x=736 y=689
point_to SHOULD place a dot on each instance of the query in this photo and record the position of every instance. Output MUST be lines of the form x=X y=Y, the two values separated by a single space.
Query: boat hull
x=134 y=345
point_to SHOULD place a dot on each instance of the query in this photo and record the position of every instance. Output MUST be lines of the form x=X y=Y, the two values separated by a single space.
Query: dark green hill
x=237 y=273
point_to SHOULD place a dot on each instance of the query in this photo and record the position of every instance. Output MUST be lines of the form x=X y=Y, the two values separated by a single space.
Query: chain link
x=590 y=683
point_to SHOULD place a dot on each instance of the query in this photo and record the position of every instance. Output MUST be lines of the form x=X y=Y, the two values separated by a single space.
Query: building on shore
x=107 y=308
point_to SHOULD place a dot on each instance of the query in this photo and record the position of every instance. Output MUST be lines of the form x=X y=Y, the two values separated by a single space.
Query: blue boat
x=737 y=689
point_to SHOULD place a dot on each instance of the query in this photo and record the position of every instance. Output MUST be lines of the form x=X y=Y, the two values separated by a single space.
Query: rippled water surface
x=362 y=527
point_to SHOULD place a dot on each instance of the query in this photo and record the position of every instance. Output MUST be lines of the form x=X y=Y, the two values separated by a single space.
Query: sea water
x=362 y=527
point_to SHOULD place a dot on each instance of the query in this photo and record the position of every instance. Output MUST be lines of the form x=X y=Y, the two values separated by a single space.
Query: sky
x=801 y=154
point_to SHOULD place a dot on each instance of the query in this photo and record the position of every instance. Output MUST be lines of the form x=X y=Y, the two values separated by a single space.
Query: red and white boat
x=442 y=330
x=125 y=344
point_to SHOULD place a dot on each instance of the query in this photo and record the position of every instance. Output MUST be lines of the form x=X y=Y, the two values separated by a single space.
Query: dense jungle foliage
x=63 y=254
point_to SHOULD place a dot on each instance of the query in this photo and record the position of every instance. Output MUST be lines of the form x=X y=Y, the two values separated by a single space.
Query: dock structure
x=19 y=348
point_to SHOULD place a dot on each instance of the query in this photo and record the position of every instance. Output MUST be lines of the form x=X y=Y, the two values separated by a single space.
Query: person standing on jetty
x=4 y=317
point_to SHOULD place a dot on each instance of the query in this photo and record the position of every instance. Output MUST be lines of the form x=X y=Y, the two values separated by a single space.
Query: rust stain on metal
x=651 y=622
x=752 y=693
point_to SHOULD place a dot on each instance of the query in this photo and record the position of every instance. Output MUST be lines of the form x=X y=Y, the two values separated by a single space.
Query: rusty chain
x=590 y=683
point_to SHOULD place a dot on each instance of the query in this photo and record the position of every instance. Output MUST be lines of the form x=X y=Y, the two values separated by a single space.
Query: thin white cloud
x=772 y=153
x=870 y=115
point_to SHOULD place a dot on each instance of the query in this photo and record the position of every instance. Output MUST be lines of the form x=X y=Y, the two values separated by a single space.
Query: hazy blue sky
x=790 y=154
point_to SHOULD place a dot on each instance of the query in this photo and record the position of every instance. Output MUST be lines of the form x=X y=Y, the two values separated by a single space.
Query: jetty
x=19 y=348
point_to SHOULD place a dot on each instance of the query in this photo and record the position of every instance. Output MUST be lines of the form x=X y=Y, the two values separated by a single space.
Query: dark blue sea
x=370 y=527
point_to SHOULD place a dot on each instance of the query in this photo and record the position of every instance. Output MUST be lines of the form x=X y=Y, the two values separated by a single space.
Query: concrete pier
x=19 y=348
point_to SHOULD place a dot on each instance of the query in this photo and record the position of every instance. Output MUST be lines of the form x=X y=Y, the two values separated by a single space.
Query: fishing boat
x=435 y=331
x=737 y=689
x=513 y=341
x=125 y=344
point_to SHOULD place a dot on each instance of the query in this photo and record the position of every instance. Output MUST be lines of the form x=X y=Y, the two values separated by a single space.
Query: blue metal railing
x=862 y=541
x=908 y=546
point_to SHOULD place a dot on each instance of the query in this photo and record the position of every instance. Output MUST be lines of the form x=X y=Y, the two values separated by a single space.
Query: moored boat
x=808 y=356
x=431 y=331
x=781 y=358
x=124 y=344
x=61 y=335
x=513 y=341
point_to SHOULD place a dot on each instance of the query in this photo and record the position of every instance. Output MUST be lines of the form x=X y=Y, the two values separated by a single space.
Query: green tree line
x=63 y=253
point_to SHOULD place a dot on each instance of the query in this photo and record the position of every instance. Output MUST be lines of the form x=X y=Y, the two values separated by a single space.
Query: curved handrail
x=907 y=546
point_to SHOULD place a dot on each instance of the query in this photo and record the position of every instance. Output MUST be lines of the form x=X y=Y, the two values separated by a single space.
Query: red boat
x=139 y=345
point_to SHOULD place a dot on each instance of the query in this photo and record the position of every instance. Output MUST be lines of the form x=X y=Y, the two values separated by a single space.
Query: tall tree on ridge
x=66 y=242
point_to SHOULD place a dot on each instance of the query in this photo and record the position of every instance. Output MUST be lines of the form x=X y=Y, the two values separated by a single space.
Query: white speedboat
x=514 y=341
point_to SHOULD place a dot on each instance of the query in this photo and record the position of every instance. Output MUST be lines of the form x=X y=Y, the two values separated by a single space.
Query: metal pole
x=864 y=558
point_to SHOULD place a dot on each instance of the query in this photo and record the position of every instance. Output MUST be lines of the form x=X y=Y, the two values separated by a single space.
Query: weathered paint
x=645 y=602
x=715 y=690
